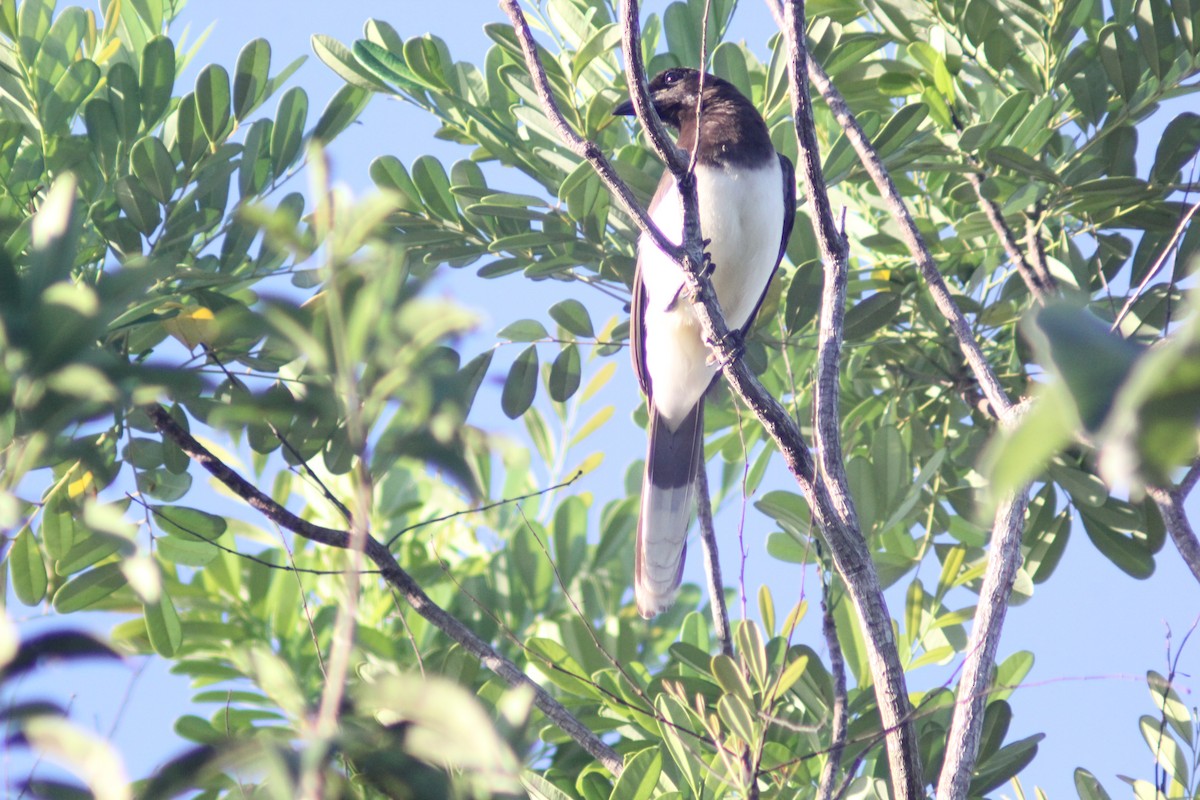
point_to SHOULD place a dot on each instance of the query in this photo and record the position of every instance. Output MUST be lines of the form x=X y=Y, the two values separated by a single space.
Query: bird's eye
x=671 y=77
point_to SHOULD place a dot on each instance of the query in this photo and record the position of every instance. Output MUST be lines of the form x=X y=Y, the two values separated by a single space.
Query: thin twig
x=1037 y=252
x=485 y=507
x=712 y=564
x=837 y=668
x=396 y=577
x=1158 y=265
x=992 y=211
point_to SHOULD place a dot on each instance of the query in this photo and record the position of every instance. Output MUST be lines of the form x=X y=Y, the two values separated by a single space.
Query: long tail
x=672 y=462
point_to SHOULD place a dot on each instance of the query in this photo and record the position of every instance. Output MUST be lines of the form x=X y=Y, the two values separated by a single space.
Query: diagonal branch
x=940 y=292
x=1033 y=281
x=396 y=577
x=1170 y=506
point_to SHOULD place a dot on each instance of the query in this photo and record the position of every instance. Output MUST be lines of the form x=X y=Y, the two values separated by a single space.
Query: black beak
x=624 y=109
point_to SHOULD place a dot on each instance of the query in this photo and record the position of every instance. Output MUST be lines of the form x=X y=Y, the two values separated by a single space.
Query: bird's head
x=674 y=93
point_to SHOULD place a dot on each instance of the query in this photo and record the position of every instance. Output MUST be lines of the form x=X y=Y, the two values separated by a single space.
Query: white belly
x=741 y=213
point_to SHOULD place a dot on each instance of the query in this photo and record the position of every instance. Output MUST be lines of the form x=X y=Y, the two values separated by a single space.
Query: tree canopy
x=992 y=345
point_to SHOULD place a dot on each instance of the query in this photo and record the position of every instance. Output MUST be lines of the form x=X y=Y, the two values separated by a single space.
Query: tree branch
x=1170 y=506
x=395 y=576
x=966 y=727
x=1002 y=565
x=837 y=669
x=712 y=564
x=904 y=758
x=1032 y=280
x=851 y=557
x=942 y=297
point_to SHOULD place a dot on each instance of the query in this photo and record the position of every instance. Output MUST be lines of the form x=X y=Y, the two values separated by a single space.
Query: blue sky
x=1094 y=630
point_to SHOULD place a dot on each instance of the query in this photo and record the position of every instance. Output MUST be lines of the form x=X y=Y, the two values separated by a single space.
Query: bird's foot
x=709 y=265
x=734 y=346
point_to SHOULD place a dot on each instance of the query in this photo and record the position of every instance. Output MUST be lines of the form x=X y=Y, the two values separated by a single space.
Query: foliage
x=151 y=251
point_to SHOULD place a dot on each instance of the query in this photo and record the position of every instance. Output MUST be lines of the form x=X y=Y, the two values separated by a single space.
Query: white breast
x=741 y=213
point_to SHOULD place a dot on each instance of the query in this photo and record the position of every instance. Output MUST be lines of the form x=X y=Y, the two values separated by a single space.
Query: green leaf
x=871 y=314
x=1169 y=703
x=27 y=568
x=58 y=533
x=1120 y=59
x=1131 y=553
x=288 y=134
x=338 y=58
x=674 y=720
x=521 y=384
x=900 y=128
x=523 y=330
x=157 y=79
x=154 y=167
x=1085 y=355
x=560 y=668
x=573 y=316
x=730 y=677
x=250 y=78
x=434 y=185
x=1166 y=750
x=61 y=104
x=1179 y=144
x=189 y=135
x=1088 y=786
x=565 y=374
x=753 y=653
x=125 y=100
x=163 y=626
x=343 y=109
x=89 y=588
x=1021 y=163
x=213 y=103
x=1000 y=768
x=640 y=776
x=738 y=718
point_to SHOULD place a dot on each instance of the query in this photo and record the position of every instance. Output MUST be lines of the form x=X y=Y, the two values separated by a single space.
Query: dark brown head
x=674 y=93
x=731 y=129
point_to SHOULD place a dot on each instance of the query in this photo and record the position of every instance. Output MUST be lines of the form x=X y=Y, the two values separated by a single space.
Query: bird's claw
x=734 y=346
x=709 y=265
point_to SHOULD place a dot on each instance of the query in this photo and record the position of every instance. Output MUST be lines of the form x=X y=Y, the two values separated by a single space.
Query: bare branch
x=942 y=297
x=837 y=668
x=395 y=576
x=712 y=564
x=966 y=727
x=904 y=758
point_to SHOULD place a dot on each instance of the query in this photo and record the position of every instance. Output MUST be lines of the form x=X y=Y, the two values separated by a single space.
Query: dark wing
x=789 y=218
x=637 y=309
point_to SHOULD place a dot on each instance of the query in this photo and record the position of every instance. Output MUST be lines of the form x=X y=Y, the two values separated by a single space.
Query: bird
x=746 y=193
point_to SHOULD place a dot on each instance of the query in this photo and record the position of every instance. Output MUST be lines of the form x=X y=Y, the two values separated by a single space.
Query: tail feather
x=668 y=485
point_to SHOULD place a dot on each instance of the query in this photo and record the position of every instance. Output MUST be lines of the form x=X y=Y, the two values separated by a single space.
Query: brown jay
x=746 y=193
